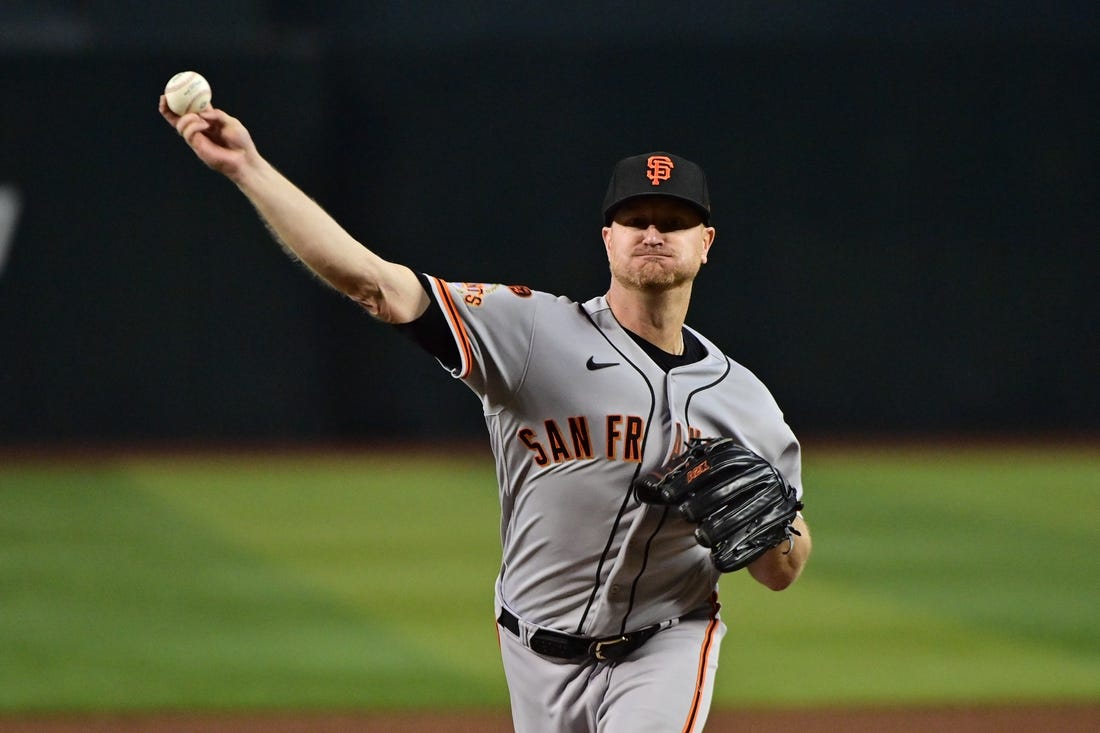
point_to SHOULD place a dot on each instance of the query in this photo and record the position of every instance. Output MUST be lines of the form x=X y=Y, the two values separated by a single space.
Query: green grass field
x=339 y=582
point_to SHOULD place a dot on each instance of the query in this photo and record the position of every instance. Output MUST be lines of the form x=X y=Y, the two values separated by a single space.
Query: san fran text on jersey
x=621 y=439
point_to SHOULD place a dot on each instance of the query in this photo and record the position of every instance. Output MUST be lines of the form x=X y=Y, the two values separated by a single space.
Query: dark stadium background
x=905 y=195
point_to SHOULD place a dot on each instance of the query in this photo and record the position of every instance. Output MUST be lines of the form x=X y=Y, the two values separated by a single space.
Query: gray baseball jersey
x=576 y=409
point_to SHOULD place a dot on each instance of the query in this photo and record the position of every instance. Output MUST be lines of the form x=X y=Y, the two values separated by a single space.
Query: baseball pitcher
x=636 y=462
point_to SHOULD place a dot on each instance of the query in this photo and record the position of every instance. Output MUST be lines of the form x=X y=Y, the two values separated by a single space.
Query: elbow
x=782 y=582
x=777 y=579
x=779 y=568
x=370 y=302
x=393 y=300
x=372 y=299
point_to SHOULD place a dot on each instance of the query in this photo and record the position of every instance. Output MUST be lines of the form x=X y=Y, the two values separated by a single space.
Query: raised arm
x=389 y=291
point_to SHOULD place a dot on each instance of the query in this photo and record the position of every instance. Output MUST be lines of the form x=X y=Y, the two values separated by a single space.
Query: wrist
x=254 y=175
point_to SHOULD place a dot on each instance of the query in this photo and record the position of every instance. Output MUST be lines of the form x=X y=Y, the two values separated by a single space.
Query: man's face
x=656 y=243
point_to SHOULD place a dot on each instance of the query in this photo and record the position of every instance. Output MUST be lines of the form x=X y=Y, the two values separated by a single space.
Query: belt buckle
x=598 y=646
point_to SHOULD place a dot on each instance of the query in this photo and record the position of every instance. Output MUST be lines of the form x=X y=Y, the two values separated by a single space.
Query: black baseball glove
x=742 y=504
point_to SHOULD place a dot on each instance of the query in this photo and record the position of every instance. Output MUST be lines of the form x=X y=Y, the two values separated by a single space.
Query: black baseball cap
x=657 y=174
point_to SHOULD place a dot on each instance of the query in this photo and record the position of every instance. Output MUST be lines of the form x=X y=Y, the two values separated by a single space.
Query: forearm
x=388 y=291
x=781 y=566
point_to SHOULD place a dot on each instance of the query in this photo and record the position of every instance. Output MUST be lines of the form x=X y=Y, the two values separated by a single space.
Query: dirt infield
x=1063 y=719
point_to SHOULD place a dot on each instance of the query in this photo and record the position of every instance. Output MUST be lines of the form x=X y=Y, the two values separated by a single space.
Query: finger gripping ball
x=186 y=92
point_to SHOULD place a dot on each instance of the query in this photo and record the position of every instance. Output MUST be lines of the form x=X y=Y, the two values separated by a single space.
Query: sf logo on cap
x=660 y=168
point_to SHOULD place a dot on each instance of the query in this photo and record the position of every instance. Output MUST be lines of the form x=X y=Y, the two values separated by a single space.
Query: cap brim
x=609 y=214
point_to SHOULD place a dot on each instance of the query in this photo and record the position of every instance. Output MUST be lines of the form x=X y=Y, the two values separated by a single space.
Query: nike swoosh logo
x=593 y=365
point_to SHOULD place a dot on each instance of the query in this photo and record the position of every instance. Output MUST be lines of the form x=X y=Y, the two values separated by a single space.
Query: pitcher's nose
x=652 y=235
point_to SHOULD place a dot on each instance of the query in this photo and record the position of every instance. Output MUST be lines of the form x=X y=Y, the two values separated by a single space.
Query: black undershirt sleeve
x=431 y=331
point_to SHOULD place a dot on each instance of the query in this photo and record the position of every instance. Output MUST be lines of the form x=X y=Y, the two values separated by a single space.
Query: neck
x=657 y=316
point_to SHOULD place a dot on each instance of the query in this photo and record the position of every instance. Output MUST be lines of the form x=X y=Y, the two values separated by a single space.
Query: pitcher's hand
x=219 y=140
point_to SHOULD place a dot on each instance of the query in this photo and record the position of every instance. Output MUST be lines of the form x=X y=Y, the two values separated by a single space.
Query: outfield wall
x=907 y=229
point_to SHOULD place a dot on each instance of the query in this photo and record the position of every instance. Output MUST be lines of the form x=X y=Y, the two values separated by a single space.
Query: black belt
x=564 y=646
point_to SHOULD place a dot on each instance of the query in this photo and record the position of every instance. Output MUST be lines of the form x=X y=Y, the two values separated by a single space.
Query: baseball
x=186 y=92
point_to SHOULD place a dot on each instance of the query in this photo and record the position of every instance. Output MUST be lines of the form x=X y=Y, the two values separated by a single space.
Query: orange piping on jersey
x=462 y=339
x=701 y=678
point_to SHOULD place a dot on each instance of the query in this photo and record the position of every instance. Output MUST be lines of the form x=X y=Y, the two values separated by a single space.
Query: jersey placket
x=622 y=587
